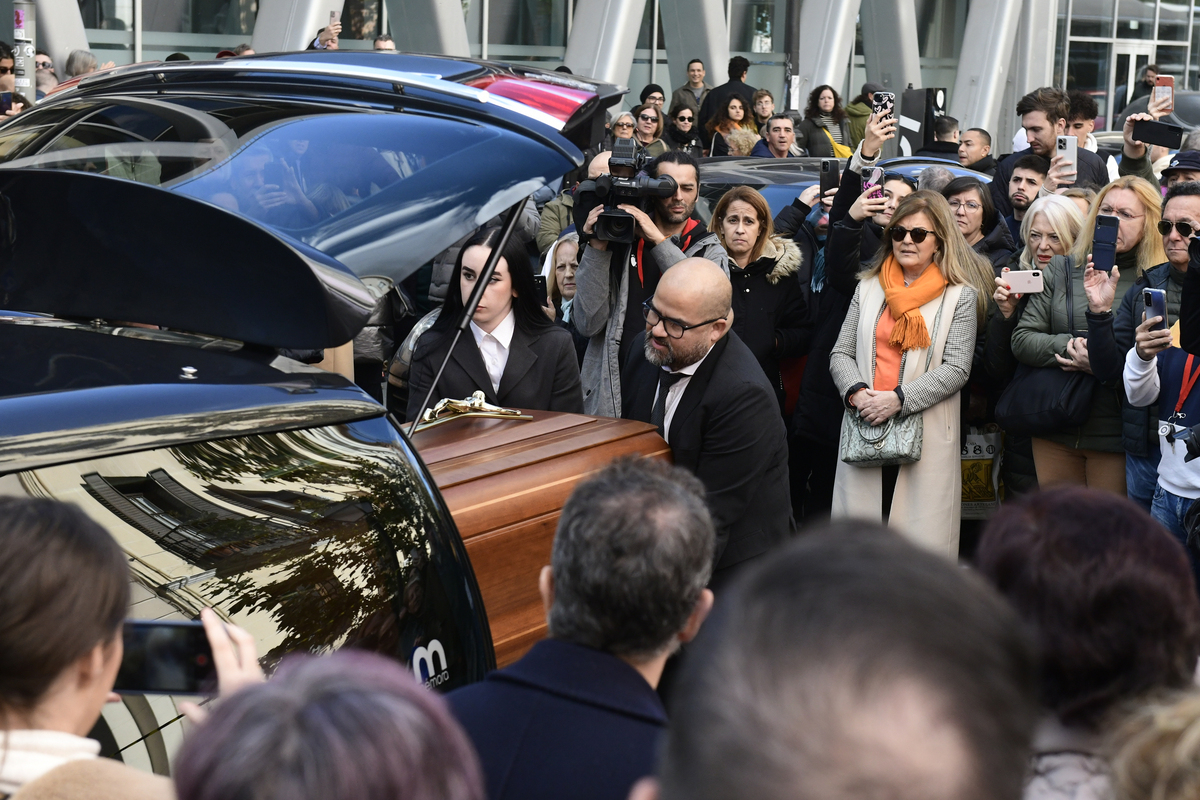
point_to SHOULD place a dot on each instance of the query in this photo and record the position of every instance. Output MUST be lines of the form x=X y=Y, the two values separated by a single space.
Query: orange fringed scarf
x=905 y=302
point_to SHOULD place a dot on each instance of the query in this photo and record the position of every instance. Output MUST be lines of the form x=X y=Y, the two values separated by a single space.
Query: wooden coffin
x=505 y=482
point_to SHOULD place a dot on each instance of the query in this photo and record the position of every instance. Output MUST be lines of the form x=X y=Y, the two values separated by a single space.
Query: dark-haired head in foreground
x=350 y=726
x=1108 y=591
x=853 y=665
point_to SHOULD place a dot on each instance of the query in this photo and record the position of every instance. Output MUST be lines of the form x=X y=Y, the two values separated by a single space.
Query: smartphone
x=166 y=658
x=1025 y=281
x=1164 y=89
x=5 y=102
x=1147 y=131
x=1068 y=148
x=1104 y=243
x=539 y=283
x=885 y=102
x=830 y=174
x=873 y=179
x=273 y=173
x=335 y=17
x=1155 y=301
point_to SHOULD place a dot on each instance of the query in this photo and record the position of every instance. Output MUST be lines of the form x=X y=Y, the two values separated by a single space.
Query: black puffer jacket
x=769 y=312
x=997 y=247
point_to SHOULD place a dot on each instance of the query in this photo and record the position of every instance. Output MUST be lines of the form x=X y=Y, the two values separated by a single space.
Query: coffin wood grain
x=505 y=483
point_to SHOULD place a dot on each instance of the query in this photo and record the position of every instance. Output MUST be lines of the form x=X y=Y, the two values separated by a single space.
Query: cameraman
x=614 y=279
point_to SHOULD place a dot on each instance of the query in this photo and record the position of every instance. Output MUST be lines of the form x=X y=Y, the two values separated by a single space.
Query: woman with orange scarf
x=924 y=266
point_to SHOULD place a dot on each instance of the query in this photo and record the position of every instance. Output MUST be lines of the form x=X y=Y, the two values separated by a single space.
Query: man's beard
x=1020 y=203
x=665 y=216
x=676 y=357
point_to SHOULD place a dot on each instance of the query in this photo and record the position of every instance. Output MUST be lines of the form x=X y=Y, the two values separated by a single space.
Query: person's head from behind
x=1137 y=205
x=1107 y=591
x=972 y=206
x=64 y=590
x=945 y=129
x=1156 y=750
x=849 y=665
x=1081 y=119
x=80 y=62
x=741 y=141
x=896 y=187
x=511 y=288
x=1049 y=229
x=1028 y=175
x=349 y=726
x=934 y=179
x=738 y=67
x=243 y=49
x=763 y=103
x=685 y=170
x=973 y=146
x=1180 y=222
x=689 y=313
x=1082 y=197
x=635 y=536
x=1043 y=114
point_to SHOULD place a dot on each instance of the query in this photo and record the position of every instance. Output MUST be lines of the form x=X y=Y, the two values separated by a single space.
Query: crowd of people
x=818 y=363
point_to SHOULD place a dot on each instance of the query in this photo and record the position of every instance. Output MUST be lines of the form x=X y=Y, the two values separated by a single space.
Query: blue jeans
x=1169 y=509
x=1141 y=477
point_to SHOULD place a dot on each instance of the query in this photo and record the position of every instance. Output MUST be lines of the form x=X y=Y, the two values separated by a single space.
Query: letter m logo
x=422 y=661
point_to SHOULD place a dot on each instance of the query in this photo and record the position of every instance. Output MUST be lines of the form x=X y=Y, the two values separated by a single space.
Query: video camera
x=615 y=225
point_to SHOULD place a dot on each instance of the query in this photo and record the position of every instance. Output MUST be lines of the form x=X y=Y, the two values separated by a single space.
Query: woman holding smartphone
x=512 y=351
x=1091 y=454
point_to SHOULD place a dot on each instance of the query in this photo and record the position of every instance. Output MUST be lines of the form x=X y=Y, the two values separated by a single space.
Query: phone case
x=1068 y=147
x=1155 y=301
x=1161 y=133
x=874 y=180
x=1164 y=87
x=1104 y=243
x=1025 y=281
x=884 y=101
x=829 y=175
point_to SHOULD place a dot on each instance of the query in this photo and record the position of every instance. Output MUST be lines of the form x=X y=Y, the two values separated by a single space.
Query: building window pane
x=1194 y=72
x=1094 y=18
x=1135 y=19
x=530 y=23
x=1170 y=61
x=1088 y=70
x=1060 y=39
x=758 y=26
x=1173 y=22
x=362 y=19
x=199 y=16
x=111 y=15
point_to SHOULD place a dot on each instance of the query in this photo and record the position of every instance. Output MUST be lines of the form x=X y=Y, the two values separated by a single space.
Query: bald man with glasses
x=692 y=376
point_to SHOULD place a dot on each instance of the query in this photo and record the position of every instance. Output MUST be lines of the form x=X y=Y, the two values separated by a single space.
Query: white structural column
x=603 y=37
x=284 y=25
x=983 y=67
x=59 y=29
x=429 y=26
x=823 y=43
x=890 y=46
x=1032 y=61
x=695 y=29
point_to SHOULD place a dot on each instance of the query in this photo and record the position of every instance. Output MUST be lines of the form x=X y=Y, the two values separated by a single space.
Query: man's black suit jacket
x=565 y=721
x=728 y=431
x=542 y=372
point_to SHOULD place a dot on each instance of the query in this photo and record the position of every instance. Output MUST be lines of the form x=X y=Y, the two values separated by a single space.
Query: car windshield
x=382 y=192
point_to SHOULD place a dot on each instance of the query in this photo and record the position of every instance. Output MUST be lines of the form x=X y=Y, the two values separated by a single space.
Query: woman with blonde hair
x=1156 y=750
x=647 y=130
x=906 y=348
x=1088 y=451
x=769 y=312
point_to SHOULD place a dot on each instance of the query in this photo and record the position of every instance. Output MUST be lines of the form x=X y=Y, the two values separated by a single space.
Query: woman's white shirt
x=28 y=755
x=494 y=347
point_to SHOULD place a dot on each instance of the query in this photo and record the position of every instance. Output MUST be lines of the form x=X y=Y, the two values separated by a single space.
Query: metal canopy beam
x=59 y=29
x=826 y=34
x=890 y=45
x=695 y=30
x=603 y=37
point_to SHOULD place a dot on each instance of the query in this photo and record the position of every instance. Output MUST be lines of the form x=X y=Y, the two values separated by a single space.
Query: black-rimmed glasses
x=674 y=328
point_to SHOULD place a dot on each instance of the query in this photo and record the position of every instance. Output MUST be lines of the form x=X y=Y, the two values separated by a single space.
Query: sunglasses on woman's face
x=899 y=232
x=647 y=118
x=683 y=119
x=623 y=125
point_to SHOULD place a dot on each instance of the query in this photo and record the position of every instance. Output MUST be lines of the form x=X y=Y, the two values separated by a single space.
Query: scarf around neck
x=910 y=332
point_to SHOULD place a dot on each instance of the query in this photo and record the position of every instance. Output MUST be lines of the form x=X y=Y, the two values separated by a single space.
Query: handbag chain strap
x=1070 y=300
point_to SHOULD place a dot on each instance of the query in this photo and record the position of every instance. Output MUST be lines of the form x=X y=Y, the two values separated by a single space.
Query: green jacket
x=556 y=216
x=1043 y=333
x=857 y=114
x=1137 y=166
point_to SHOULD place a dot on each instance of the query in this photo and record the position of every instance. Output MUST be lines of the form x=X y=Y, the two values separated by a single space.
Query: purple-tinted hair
x=349 y=726
x=1107 y=591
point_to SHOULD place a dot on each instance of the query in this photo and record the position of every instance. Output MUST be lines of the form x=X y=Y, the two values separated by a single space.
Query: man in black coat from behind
x=718 y=97
x=578 y=716
x=692 y=376
x=1044 y=115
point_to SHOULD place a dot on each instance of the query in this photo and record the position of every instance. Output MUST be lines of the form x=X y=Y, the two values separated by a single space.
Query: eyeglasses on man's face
x=6 y=70
x=1186 y=229
x=44 y=64
x=674 y=328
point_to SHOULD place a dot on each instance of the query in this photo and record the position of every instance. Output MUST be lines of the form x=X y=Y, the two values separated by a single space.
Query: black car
x=144 y=333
